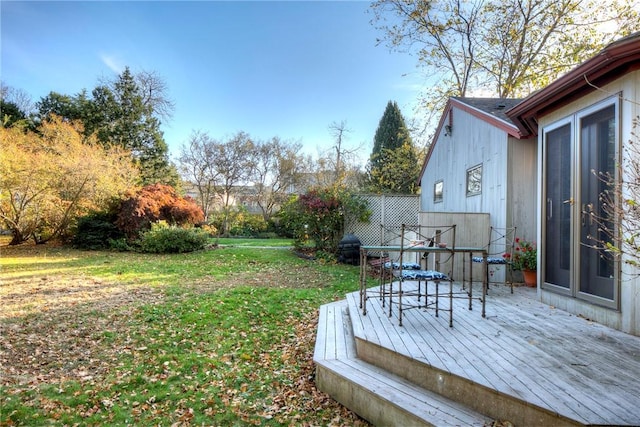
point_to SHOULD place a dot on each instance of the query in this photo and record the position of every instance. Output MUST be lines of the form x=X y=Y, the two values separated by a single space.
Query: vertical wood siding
x=508 y=173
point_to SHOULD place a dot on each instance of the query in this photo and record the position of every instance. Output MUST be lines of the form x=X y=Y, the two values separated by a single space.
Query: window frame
x=438 y=197
x=470 y=174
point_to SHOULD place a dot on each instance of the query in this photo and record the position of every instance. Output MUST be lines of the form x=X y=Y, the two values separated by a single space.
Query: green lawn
x=219 y=337
x=236 y=241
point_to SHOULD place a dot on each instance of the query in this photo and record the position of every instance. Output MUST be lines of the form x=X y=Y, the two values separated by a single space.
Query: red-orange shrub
x=154 y=203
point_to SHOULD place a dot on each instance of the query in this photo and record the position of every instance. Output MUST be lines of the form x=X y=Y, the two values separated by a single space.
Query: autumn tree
x=506 y=47
x=342 y=155
x=393 y=164
x=319 y=216
x=52 y=177
x=619 y=221
x=233 y=161
x=337 y=165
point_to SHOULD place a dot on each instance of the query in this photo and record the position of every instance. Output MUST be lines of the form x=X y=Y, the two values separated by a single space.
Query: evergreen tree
x=393 y=164
x=122 y=117
x=10 y=113
x=391 y=133
x=70 y=108
x=119 y=114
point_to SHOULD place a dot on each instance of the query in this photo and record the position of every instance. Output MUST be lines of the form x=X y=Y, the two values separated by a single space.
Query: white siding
x=508 y=173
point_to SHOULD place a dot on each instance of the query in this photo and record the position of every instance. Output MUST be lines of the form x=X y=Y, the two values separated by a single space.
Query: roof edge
x=617 y=55
x=509 y=128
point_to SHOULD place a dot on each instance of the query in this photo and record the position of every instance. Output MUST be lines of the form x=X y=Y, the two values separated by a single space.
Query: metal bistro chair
x=500 y=251
x=379 y=264
x=417 y=242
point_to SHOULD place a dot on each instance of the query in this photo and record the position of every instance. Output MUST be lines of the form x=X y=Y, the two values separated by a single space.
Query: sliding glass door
x=578 y=152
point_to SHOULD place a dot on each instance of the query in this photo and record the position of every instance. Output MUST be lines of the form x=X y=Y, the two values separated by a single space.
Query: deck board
x=523 y=348
x=515 y=372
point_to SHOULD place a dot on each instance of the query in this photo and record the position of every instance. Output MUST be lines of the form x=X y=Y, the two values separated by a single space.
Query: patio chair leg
x=451 y=303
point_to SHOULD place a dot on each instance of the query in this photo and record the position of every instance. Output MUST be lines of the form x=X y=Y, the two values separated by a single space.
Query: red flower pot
x=530 y=278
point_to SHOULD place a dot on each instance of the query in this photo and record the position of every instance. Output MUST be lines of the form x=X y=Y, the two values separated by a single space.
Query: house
x=534 y=164
x=564 y=353
x=480 y=171
x=479 y=161
x=583 y=125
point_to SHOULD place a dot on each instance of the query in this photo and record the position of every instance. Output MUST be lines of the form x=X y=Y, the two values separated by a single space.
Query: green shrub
x=171 y=239
x=95 y=231
x=120 y=245
x=249 y=225
x=241 y=223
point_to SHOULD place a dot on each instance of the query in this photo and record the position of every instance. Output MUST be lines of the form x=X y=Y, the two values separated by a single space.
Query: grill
x=349 y=250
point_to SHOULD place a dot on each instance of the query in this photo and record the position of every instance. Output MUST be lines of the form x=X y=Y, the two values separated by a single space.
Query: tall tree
x=391 y=133
x=196 y=166
x=18 y=97
x=15 y=107
x=507 y=47
x=277 y=167
x=10 y=114
x=393 y=164
x=122 y=117
x=233 y=162
x=339 y=132
x=67 y=107
x=125 y=112
x=397 y=171
x=218 y=169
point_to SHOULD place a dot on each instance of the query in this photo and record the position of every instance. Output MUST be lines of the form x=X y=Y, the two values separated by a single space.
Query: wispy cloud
x=112 y=62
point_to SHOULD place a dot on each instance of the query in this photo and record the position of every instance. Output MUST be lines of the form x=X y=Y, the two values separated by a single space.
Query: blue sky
x=286 y=69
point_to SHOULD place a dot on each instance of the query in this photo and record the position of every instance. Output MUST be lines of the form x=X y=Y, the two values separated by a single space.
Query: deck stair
x=381 y=397
x=526 y=364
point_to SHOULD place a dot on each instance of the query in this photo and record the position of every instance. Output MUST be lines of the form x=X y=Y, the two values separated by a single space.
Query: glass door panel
x=558 y=205
x=597 y=156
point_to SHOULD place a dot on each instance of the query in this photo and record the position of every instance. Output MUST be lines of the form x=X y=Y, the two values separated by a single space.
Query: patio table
x=366 y=250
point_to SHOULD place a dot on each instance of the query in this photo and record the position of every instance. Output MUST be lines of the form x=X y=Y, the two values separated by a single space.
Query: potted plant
x=525 y=258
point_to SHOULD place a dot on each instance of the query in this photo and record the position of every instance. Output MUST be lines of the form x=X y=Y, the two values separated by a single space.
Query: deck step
x=378 y=396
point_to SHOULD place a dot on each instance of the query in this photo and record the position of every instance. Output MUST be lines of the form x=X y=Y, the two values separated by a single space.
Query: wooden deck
x=526 y=362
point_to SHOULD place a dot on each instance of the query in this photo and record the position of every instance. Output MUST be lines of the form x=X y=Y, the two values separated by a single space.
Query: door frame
x=546 y=208
x=574 y=120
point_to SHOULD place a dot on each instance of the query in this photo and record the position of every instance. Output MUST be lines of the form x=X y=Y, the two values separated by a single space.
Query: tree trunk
x=17 y=238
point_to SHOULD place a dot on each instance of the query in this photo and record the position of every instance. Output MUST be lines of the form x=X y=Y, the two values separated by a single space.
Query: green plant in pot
x=525 y=258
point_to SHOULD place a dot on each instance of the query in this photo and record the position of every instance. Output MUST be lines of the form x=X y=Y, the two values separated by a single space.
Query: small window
x=438 y=188
x=474 y=180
